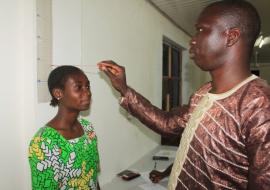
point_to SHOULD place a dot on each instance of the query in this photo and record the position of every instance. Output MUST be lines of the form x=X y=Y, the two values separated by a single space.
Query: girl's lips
x=86 y=102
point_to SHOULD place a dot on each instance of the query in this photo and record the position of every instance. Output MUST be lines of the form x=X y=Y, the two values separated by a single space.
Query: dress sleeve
x=94 y=153
x=90 y=131
x=162 y=122
x=258 y=148
x=42 y=178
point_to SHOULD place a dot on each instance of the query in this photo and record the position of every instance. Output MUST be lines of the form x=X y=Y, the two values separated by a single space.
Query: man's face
x=208 y=45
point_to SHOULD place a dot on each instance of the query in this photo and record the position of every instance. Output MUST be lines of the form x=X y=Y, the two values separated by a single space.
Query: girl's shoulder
x=86 y=124
x=46 y=133
x=88 y=128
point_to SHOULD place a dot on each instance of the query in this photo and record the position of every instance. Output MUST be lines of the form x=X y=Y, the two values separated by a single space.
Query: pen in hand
x=155 y=166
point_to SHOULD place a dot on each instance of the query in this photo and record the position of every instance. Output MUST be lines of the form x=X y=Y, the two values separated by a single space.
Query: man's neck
x=223 y=82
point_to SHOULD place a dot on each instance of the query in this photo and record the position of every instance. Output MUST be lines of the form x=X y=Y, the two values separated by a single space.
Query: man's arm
x=165 y=123
x=162 y=122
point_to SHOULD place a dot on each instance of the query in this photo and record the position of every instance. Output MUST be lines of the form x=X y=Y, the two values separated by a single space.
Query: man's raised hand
x=116 y=74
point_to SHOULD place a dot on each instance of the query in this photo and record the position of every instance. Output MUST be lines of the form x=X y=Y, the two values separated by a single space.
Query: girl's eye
x=200 y=29
x=78 y=87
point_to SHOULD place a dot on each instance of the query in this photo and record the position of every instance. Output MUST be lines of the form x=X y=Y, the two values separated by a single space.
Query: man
x=225 y=134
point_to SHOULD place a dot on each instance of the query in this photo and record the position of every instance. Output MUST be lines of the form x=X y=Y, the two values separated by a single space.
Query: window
x=255 y=72
x=171 y=82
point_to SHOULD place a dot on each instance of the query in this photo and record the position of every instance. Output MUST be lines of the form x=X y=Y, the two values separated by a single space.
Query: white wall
x=264 y=69
x=67 y=31
x=17 y=100
x=130 y=33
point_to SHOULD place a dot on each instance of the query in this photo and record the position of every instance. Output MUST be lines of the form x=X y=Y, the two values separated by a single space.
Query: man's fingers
x=108 y=63
x=112 y=69
x=111 y=64
x=109 y=73
x=154 y=180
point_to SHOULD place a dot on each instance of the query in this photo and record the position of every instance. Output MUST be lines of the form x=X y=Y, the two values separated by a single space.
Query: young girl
x=63 y=154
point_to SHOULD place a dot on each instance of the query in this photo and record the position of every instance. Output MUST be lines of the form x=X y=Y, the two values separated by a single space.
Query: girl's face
x=76 y=94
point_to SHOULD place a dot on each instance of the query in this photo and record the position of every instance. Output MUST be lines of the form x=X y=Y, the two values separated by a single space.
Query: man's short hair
x=244 y=16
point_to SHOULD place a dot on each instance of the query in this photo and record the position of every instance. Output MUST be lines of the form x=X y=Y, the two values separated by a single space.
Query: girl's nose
x=89 y=93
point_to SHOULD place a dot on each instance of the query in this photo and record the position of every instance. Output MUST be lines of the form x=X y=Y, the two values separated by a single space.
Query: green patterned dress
x=57 y=163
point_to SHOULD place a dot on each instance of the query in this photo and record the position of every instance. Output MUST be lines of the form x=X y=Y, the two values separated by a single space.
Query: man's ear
x=233 y=35
x=57 y=93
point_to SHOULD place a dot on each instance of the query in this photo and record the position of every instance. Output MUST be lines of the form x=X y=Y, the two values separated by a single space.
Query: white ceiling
x=184 y=14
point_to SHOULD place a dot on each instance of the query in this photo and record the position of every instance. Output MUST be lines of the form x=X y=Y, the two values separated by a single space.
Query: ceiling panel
x=184 y=14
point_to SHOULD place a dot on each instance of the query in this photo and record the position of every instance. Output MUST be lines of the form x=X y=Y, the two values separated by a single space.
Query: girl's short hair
x=58 y=77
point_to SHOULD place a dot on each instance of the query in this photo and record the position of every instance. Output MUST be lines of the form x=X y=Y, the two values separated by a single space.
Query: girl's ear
x=233 y=36
x=57 y=93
